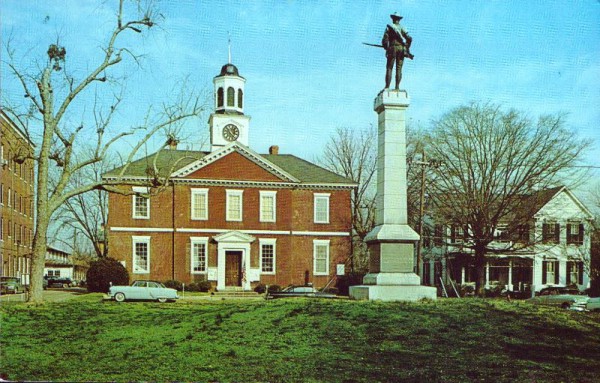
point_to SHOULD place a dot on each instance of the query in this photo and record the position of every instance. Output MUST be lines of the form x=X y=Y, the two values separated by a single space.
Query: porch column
x=510 y=271
x=462 y=275
x=487 y=274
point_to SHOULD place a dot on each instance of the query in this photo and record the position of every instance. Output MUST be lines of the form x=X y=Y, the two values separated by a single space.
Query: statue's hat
x=395 y=15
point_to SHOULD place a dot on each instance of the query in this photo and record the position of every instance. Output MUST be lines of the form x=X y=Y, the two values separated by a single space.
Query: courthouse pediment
x=235 y=237
x=235 y=162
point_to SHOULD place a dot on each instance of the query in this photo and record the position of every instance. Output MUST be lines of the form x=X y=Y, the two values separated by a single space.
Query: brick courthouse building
x=230 y=216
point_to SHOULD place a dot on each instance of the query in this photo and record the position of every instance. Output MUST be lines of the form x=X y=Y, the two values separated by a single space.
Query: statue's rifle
x=408 y=54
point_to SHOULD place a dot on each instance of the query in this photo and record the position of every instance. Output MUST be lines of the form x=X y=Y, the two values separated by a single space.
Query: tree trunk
x=38 y=262
x=480 y=262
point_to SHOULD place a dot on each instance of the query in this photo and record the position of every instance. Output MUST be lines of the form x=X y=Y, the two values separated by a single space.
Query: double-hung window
x=141 y=204
x=141 y=254
x=199 y=254
x=321 y=257
x=199 y=204
x=234 y=205
x=268 y=206
x=321 y=204
x=267 y=255
x=550 y=232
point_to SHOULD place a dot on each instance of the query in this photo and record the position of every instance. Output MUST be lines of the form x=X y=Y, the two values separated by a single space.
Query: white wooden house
x=552 y=248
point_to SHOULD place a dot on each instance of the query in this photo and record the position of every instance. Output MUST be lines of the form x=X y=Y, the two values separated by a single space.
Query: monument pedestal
x=391 y=243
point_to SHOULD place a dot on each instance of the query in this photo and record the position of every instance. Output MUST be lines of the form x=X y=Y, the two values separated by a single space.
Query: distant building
x=16 y=200
x=61 y=264
x=552 y=248
x=230 y=215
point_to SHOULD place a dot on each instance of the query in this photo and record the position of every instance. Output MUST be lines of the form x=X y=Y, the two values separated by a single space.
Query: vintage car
x=560 y=296
x=299 y=291
x=11 y=285
x=143 y=290
x=593 y=304
x=59 y=282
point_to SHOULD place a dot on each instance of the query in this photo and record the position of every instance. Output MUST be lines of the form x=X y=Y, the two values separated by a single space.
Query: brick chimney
x=274 y=149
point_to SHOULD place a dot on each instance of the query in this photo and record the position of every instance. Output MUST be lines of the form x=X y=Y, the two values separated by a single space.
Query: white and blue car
x=143 y=291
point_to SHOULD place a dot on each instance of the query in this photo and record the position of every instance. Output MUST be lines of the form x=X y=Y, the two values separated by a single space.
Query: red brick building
x=16 y=200
x=230 y=216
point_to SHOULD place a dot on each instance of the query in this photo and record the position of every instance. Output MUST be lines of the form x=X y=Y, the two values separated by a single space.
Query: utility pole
x=424 y=164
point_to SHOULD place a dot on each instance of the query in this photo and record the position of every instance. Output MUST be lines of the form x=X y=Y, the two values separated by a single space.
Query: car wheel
x=565 y=305
x=120 y=297
x=162 y=300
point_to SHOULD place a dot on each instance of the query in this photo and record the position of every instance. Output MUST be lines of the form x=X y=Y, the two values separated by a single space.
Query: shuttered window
x=551 y=232
x=575 y=233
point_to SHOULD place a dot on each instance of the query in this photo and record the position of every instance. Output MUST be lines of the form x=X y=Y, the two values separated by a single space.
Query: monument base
x=393 y=293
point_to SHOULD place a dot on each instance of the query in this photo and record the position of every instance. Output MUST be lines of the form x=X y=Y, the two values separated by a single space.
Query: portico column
x=487 y=274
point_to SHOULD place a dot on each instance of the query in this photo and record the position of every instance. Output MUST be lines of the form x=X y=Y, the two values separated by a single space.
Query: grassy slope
x=299 y=340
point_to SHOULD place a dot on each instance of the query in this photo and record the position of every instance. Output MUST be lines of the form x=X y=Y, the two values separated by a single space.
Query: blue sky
x=308 y=72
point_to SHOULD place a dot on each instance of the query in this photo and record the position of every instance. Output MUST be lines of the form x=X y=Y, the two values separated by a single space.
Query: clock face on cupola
x=228 y=123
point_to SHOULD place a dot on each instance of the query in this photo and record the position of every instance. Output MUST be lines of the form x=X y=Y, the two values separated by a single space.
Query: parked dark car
x=11 y=285
x=60 y=282
x=299 y=291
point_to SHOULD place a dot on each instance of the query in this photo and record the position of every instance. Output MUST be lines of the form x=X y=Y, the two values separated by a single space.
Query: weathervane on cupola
x=228 y=123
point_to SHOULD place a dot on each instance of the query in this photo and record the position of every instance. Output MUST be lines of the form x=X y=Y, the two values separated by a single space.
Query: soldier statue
x=396 y=43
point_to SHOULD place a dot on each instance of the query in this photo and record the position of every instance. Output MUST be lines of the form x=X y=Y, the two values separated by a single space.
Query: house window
x=9 y=198
x=220 y=97
x=575 y=233
x=234 y=205
x=230 y=96
x=550 y=232
x=1 y=194
x=1 y=228
x=550 y=272
x=141 y=255
x=574 y=272
x=267 y=256
x=501 y=234
x=141 y=204
x=457 y=234
x=321 y=257
x=268 y=206
x=199 y=254
x=438 y=235
x=321 y=203
x=523 y=233
x=200 y=204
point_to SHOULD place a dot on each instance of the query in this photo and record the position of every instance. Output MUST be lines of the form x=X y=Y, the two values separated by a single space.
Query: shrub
x=260 y=288
x=203 y=286
x=344 y=282
x=103 y=272
x=174 y=285
x=274 y=288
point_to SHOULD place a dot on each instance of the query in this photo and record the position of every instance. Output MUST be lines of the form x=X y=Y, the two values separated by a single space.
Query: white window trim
x=143 y=190
x=239 y=193
x=200 y=240
x=319 y=196
x=139 y=239
x=268 y=241
x=316 y=243
x=195 y=192
x=268 y=194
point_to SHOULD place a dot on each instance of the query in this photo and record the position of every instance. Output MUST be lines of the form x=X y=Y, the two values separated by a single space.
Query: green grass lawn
x=298 y=341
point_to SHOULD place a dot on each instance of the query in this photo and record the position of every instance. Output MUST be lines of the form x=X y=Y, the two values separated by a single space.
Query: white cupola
x=228 y=123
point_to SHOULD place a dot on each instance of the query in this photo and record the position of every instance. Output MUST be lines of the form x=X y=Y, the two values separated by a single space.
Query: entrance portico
x=233 y=260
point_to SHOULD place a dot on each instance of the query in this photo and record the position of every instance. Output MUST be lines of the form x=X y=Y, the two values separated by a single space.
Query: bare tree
x=353 y=154
x=50 y=98
x=86 y=214
x=492 y=158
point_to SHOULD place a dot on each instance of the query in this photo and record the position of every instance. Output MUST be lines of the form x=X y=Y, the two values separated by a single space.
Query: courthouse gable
x=235 y=166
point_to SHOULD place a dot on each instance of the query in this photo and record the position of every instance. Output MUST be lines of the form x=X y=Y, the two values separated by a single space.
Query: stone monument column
x=391 y=243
